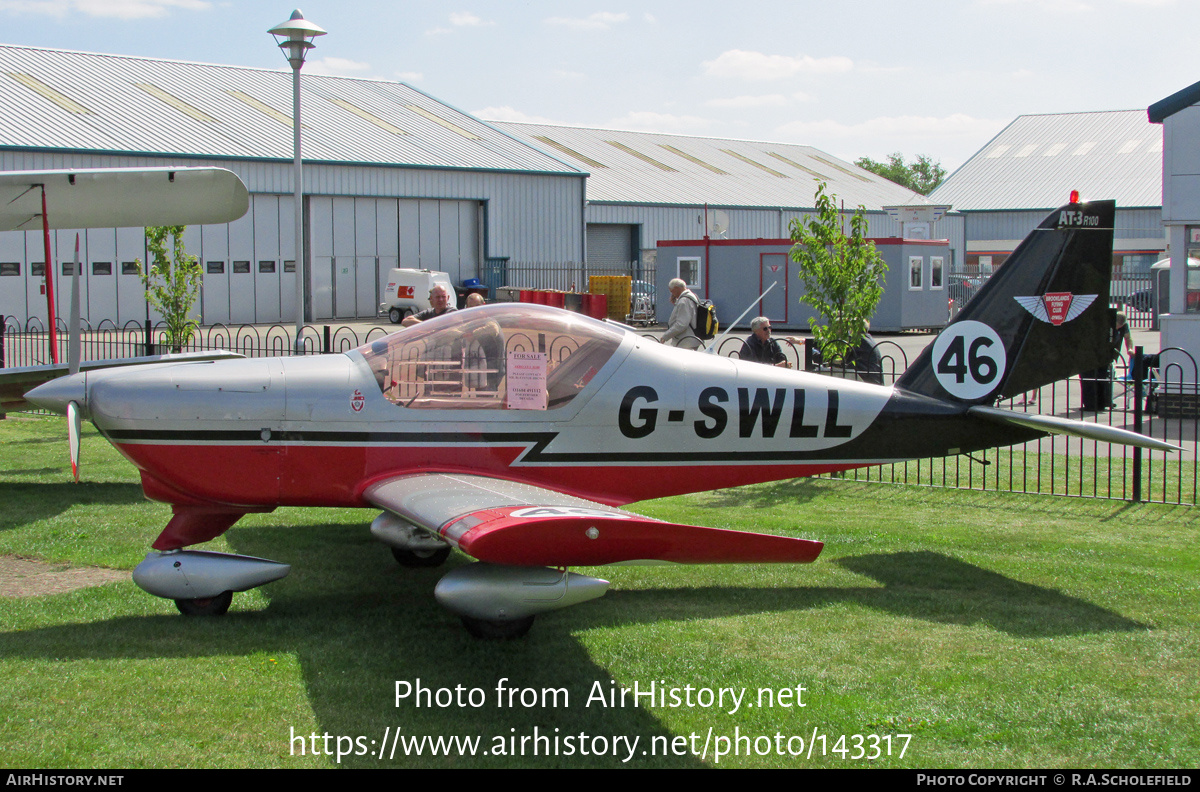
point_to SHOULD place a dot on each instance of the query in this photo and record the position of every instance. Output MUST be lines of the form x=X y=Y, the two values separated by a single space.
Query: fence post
x=327 y=341
x=149 y=338
x=3 y=325
x=1139 y=368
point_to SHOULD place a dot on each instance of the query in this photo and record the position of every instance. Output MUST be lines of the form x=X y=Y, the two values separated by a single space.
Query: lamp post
x=295 y=38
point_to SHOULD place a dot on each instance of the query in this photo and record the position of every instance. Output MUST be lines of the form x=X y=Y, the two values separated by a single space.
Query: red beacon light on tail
x=1074 y=196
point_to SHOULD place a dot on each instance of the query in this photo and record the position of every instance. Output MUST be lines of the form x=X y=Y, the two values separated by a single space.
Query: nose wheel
x=208 y=606
x=421 y=558
x=506 y=630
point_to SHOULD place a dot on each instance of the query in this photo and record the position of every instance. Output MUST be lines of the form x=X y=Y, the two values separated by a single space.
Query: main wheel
x=421 y=558
x=505 y=630
x=395 y=315
x=209 y=606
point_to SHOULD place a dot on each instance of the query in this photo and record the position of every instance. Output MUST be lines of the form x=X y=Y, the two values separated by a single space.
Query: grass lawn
x=996 y=630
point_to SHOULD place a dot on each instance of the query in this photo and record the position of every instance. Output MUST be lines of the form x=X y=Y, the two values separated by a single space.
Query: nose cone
x=56 y=394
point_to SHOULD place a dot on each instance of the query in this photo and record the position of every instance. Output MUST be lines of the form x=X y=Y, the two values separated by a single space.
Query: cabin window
x=214 y=267
x=102 y=268
x=935 y=272
x=501 y=357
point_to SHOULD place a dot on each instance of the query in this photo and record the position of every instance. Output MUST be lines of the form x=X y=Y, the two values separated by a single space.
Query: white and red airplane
x=513 y=432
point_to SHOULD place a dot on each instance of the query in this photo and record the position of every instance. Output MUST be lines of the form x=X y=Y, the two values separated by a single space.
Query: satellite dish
x=718 y=223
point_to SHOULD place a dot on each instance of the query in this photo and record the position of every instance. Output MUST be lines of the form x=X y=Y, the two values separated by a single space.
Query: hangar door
x=355 y=241
x=611 y=245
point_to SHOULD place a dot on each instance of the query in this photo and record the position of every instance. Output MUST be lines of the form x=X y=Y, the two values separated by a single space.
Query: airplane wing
x=121 y=197
x=506 y=522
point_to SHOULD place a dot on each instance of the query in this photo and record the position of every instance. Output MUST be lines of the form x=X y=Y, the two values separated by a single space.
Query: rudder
x=1041 y=318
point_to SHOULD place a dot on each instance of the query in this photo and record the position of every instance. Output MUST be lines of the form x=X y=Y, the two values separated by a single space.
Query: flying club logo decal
x=1056 y=307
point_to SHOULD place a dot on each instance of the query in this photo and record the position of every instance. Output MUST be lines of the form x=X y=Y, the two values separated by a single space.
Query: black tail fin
x=1042 y=317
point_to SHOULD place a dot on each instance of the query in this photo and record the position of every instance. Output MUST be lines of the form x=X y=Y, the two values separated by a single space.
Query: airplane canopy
x=512 y=356
x=121 y=197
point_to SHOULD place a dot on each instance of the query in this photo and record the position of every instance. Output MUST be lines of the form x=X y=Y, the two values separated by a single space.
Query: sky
x=854 y=78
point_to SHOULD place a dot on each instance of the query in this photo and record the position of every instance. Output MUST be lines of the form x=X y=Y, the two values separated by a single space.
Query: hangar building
x=1032 y=166
x=392 y=177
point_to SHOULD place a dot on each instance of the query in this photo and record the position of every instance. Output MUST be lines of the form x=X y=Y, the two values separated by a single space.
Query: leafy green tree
x=842 y=275
x=923 y=175
x=172 y=282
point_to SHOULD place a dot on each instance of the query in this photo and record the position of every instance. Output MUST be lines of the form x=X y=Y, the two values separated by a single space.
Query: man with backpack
x=680 y=330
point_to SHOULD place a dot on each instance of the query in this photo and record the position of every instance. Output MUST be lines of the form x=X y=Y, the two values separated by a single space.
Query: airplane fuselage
x=652 y=421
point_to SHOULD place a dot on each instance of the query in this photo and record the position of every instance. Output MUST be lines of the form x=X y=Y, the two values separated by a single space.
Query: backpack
x=706 y=326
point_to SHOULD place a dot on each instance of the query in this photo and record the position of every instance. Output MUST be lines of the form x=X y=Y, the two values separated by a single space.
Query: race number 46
x=969 y=360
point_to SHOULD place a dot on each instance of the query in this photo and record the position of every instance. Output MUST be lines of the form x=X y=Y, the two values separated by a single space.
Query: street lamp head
x=295 y=37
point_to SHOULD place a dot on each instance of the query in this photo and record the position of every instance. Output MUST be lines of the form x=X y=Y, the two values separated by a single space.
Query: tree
x=922 y=176
x=172 y=283
x=841 y=275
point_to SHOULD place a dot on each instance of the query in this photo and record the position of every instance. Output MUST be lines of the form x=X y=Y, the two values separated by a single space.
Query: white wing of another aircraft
x=121 y=197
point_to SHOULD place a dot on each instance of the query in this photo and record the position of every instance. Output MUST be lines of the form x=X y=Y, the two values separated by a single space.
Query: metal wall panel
x=287 y=248
x=14 y=301
x=266 y=254
x=35 y=296
x=214 y=247
x=241 y=284
x=430 y=243
x=100 y=248
x=410 y=234
x=131 y=292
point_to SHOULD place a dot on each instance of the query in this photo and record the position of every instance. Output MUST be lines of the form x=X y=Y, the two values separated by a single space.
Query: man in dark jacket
x=760 y=347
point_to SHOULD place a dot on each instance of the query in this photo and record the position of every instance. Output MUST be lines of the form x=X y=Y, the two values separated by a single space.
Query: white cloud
x=119 y=9
x=409 y=77
x=602 y=20
x=507 y=113
x=437 y=31
x=467 y=19
x=646 y=121
x=336 y=67
x=768 y=100
x=747 y=65
x=1048 y=6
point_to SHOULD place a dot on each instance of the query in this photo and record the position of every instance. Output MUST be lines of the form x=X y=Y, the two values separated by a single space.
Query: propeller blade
x=74 y=425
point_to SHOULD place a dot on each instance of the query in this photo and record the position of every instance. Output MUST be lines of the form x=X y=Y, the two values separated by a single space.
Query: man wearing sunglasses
x=760 y=347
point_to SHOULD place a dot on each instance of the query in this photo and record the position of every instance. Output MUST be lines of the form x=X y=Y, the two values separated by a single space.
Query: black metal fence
x=1155 y=395
x=28 y=344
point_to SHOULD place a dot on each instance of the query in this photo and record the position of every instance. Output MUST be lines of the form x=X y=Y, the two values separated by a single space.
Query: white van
x=408 y=292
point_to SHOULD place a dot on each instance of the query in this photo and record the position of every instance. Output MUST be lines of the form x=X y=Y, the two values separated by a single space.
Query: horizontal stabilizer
x=1068 y=426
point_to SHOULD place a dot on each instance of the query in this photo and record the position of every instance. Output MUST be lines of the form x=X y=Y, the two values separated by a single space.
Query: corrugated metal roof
x=651 y=168
x=55 y=99
x=1037 y=160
